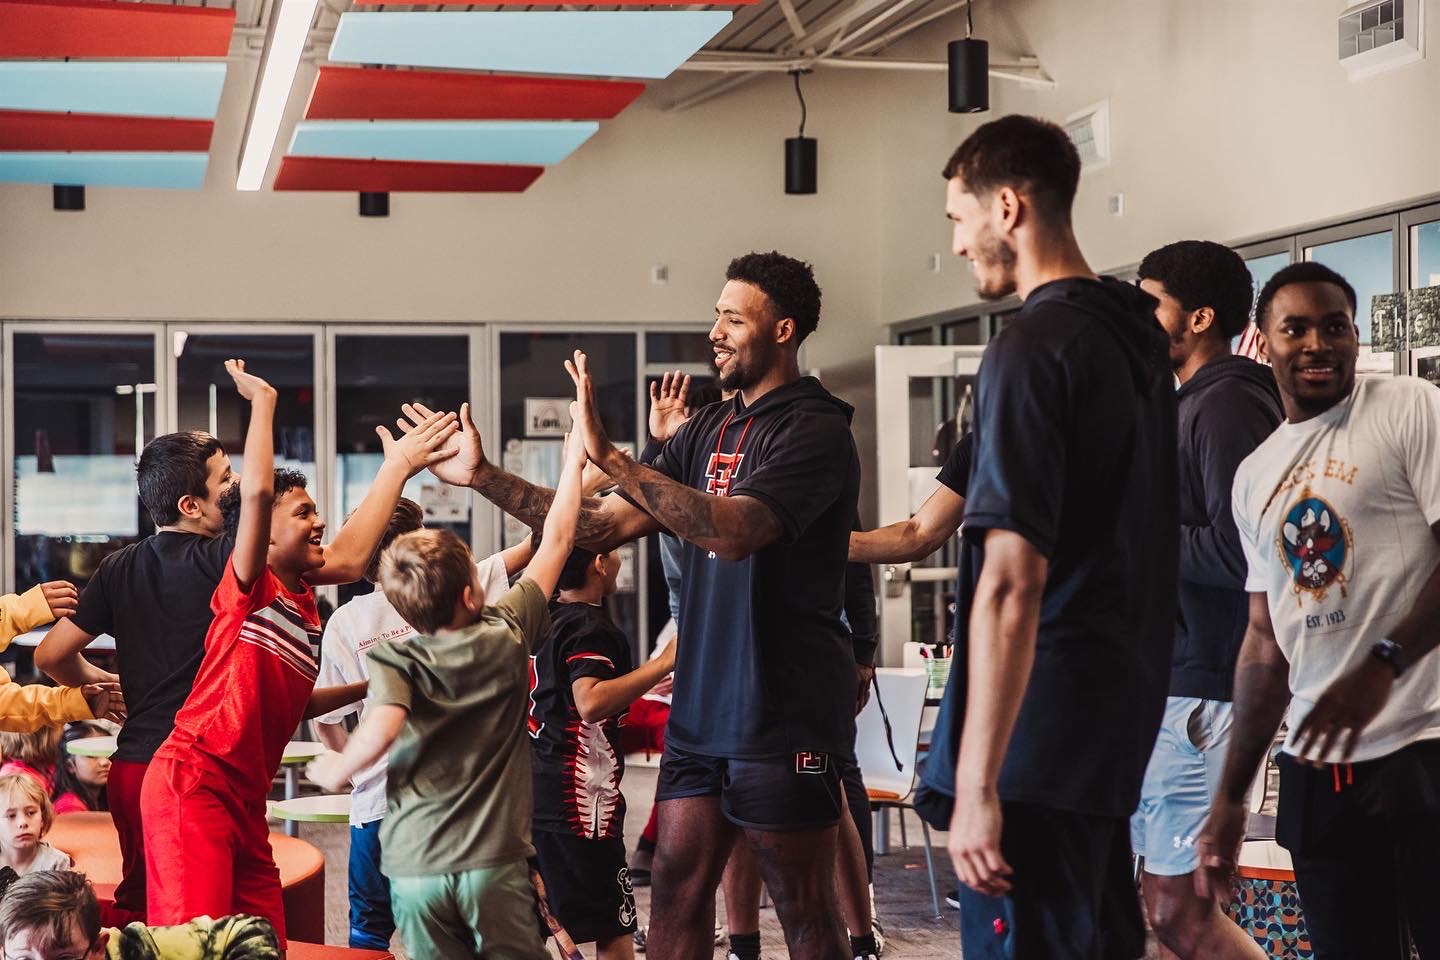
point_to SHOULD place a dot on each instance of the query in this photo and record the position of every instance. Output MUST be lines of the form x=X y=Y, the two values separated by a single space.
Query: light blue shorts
x=1180 y=782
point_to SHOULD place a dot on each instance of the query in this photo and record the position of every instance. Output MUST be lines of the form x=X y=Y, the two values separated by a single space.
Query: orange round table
x=93 y=844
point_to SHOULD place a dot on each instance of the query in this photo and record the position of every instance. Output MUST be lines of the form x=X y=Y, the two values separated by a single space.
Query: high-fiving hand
x=248 y=385
x=461 y=469
x=669 y=405
x=585 y=413
x=422 y=446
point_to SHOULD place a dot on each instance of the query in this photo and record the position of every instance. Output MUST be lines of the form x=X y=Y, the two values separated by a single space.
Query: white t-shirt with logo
x=1335 y=514
x=350 y=633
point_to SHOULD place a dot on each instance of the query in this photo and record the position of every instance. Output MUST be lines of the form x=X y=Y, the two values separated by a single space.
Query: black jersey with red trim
x=765 y=666
x=577 y=765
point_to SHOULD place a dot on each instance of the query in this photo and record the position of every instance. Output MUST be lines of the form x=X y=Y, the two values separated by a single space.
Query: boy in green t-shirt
x=451 y=705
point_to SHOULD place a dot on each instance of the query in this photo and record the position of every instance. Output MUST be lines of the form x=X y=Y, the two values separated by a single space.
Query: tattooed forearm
x=731 y=527
x=528 y=503
x=697 y=521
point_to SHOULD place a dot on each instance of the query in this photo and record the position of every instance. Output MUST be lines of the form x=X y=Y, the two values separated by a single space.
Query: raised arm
x=603 y=525
x=730 y=527
x=348 y=556
x=1262 y=692
x=1004 y=623
x=558 y=538
x=257 y=478
x=914 y=539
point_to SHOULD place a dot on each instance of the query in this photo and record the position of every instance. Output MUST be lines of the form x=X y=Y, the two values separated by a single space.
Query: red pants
x=207 y=849
x=123 y=793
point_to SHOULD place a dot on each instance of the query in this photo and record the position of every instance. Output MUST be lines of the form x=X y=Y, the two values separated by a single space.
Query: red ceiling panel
x=28 y=130
x=358 y=93
x=112 y=28
x=402 y=176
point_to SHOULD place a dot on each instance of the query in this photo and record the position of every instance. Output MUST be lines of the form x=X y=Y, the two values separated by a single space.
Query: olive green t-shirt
x=458 y=788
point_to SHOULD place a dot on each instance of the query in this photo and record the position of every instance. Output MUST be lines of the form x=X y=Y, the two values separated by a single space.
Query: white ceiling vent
x=1089 y=130
x=1381 y=35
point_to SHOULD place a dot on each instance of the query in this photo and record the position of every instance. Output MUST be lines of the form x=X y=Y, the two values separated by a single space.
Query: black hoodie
x=1226 y=409
x=765 y=667
x=1075 y=452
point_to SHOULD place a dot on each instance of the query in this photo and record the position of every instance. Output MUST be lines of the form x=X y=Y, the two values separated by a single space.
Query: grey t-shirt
x=459 y=783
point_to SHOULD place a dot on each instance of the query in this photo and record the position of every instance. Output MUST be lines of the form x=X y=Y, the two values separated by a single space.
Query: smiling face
x=1309 y=336
x=978 y=238
x=747 y=336
x=295 y=533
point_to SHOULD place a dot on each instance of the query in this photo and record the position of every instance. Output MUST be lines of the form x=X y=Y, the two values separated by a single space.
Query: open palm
x=461 y=469
x=668 y=405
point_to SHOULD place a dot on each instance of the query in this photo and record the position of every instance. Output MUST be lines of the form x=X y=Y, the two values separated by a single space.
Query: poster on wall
x=547 y=416
x=443 y=503
x=1423 y=311
x=1387 y=314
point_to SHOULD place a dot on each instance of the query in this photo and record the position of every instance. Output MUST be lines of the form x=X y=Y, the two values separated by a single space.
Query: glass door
x=1422 y=300
x=81 y=406
x=911 y=382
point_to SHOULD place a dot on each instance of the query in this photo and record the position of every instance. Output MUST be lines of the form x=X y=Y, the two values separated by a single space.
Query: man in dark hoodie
x=762 y=489
x=1228 y=405
x=1073 y=496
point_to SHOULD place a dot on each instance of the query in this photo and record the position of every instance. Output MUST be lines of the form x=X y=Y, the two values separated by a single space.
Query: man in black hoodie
x=1073 y=497
x=762 y=489
x=1227 y=406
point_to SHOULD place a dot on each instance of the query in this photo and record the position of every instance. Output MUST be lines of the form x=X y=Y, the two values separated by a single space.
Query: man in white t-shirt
x=350 y=634
x=1339 y=514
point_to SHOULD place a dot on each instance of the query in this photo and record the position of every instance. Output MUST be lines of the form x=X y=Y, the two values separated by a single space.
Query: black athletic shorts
x=587 y=885
x=799 y=791
x=1072 y=895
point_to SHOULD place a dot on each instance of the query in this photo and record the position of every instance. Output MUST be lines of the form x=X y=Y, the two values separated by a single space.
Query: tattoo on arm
x=733 y=527
x=529 y=503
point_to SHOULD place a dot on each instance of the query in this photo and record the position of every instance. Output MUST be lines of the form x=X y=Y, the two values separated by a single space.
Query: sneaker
x=952 y=899
x=878 y=932
x=639 y=938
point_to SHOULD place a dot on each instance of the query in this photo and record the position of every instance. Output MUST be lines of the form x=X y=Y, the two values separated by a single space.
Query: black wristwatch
x=1390 y=653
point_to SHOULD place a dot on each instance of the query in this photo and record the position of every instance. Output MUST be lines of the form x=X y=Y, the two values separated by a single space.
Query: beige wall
x=1229 y=118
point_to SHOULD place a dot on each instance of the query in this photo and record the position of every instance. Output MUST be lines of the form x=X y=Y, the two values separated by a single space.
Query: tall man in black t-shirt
x=762 y=489
x=1073 y=496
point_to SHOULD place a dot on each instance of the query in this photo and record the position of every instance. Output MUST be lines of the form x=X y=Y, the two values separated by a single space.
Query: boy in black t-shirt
x=581 y=682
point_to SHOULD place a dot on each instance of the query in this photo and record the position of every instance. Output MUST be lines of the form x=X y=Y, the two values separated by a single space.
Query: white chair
x=902 y=691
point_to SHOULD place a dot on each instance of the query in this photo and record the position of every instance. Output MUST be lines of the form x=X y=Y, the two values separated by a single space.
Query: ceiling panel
x=354 y=93
x=178 y=171
x=587 y=43
x=35 y=131
x=176 y=89
x=105 y=28
x=325 y=173
x=449 y=141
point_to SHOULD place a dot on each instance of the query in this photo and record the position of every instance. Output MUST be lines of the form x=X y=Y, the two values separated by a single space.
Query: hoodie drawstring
x=1349 y=774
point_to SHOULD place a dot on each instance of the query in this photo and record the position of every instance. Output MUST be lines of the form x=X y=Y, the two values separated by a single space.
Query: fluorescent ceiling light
x=277 y=75
x=186 y=90
x=451 y=141
x=603 y=43
x=178 y=171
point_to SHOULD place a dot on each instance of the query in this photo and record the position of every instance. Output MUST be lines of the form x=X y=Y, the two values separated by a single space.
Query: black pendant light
x=68 y=197
x=969 y=72
x=374 y=204
x=801 y=153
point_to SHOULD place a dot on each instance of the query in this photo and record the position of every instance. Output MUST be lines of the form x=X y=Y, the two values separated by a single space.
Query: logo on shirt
x=720 y=471
x=1315 y=543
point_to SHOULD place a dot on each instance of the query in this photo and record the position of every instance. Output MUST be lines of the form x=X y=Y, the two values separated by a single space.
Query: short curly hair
x=1306 y=271
x=285 y=481
x=1199 y=273
x=789 y=283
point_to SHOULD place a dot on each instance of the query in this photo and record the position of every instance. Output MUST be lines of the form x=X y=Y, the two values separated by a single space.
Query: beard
x=998 y=261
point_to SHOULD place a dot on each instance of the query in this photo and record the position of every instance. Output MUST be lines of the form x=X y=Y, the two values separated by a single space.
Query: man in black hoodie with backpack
x=1227 y=406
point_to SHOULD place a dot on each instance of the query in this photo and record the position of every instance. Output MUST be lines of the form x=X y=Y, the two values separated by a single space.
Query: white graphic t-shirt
x=349 y=634
x=1335 y=513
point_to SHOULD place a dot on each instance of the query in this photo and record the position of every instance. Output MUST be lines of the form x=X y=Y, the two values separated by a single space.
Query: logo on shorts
x=627 y=913
x=1315 y=544
x=810 y=762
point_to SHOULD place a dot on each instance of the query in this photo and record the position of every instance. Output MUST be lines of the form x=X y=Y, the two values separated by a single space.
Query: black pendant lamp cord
x=969 y=19
x=801 y=96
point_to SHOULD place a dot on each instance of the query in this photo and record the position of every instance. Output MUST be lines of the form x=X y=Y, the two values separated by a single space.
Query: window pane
x=207 y=399
x=1425 y=255
x=84 y=408
x=679 y=346
x=1368 y=263
x=965 y=332
x=374 y=376
x=1261 y=270
x=918 y=338
x=535 y=395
